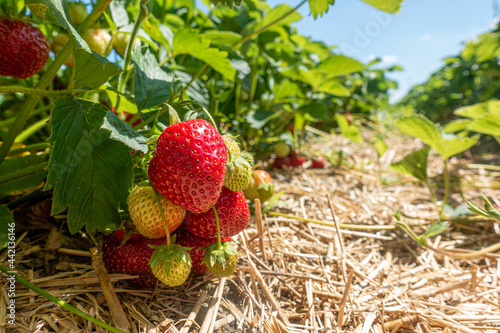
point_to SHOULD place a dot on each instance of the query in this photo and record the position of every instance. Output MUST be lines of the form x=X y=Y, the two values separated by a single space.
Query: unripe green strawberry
x=58 y=42
x=77 y=12
x=281 y=149
x=238 y=175
x=171 y=265
x=146 y=215
x=233 y=149
x=99 y=40
x=38 y=9
x=221 y=260
x=120 y=42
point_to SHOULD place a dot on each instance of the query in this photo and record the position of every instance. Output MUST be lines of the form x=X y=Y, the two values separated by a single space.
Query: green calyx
x=165 y=255
x=219 y=255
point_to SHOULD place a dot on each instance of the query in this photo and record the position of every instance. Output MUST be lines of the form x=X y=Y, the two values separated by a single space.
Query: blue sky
x=418 y=38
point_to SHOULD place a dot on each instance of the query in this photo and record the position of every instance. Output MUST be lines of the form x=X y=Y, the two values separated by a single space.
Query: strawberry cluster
x=194 y=193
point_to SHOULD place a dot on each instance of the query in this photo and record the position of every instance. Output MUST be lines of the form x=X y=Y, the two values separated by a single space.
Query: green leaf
x=318 y=7
x=316 y=110
x=479 y=110
x=456 y=125
x=119 y=12
x=488 y=124
x=90 y=174
x=338 y=64
x=227 y=38
x=123 y=133
x=6 y=221
x=380 y=146
x=126 y=103
x=152 y=84
x=436 y=228
x=101 y=69
x=23 y=173
x=447 y=145
x=158 y=31
x=413 y=164
x=57 y=12
x=350 y=131
x=390 y=6
x=333 y=87
x=258 y=118
x=189 y=41
x=287 y=89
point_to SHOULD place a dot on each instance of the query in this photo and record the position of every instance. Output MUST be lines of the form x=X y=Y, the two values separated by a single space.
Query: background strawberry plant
x=246 y=65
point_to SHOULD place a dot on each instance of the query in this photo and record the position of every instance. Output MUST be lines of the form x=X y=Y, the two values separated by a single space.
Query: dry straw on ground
x=297 y=275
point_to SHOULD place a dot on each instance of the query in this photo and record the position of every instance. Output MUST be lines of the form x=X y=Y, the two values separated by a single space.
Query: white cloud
x=390 y=59
x=425 y=37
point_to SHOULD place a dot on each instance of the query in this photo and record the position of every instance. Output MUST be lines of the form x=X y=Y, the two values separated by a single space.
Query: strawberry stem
x=219 y=242
x=165 y=225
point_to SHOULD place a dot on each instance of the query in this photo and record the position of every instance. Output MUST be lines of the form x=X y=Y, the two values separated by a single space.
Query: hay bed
x=295 y=276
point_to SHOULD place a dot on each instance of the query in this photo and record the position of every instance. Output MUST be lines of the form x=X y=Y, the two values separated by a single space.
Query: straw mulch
x=294 y=275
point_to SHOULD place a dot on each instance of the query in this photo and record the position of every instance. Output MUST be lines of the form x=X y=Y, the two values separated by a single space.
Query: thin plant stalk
x=59 y=302
x=446 y=189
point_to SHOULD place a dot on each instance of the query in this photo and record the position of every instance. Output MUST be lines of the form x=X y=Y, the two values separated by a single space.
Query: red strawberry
x=233 y=213
x=189 y=164
x=187 y=239
x=130 y=258
x=296 y=161
x=282 y=162
x=25 y=49
x=318 y=163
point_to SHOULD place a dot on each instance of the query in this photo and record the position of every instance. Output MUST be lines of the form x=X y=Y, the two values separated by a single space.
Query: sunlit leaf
x=413 y=164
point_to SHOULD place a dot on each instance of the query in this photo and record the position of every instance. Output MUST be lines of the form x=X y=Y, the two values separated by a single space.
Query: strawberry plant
x=59 y=134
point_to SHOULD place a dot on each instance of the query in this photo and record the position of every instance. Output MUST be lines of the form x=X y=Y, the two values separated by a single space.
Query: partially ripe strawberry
x=187 y=239
x=99 y=40
x=233 y=213
x=281 y=149
x=261 y=187
x=145 y=213
x=282 y=162
x=189 y=164
x=238 y=174
x=77 y=12
x=24 y=49
x=132 y=257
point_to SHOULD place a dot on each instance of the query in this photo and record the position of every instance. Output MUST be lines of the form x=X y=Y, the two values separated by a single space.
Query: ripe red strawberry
x=189 y=164
x=187 y=239
x=132 y=257
x=233 y=212
x=282 y=162
x=318 y=163
x=260 y=187
x=146 y=215
x=24 y=49
x=296 y=160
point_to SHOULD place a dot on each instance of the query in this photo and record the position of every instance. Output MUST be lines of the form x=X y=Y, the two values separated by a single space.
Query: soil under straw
x=295 y=276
